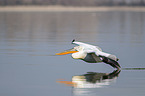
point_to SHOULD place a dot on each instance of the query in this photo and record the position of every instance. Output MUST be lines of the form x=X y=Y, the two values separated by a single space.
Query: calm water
x=29 y=40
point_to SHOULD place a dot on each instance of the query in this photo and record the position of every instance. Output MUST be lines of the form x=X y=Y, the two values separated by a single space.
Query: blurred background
x=75 y=2
x=30 y=39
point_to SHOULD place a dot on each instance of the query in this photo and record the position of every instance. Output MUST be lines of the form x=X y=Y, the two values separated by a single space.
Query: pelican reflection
x=92 y=79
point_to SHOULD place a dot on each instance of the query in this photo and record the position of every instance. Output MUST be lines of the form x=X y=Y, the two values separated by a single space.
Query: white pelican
x=91 y=54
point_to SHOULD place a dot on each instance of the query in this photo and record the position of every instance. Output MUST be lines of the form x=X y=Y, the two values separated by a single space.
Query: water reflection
x=92 y=79
x=49 y=25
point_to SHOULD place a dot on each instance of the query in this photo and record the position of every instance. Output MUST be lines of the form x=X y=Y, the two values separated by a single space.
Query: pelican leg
x=110 y=62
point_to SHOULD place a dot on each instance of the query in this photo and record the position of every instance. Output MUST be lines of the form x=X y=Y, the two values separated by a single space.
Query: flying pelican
x=91 y=54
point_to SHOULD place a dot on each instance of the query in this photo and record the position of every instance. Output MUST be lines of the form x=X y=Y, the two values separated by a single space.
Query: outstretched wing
x=95 y=49
x=97 y=54
x=86 y=46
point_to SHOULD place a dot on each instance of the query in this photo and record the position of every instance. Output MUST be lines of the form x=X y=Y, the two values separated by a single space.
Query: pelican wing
x=102 y=54
x=110 y=56
x=86 y=46
x=95 y=49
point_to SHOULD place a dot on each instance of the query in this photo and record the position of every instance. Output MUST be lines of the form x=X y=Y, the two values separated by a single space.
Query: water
x=29 y=40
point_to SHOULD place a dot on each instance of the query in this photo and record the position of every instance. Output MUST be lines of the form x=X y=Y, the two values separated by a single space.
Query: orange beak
x=69 y=83
x=67 y=52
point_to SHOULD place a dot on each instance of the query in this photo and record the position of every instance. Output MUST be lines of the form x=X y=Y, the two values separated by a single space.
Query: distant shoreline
x=68 y=9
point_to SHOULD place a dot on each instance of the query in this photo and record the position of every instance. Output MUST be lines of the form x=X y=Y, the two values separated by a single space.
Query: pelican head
x=76 y=52
x=73 y=50
x=78 y=48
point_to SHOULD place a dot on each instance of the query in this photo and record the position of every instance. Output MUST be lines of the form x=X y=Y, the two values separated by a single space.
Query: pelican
x=91 y=54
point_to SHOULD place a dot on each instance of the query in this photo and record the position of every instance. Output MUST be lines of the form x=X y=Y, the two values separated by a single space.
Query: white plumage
x=91 y=54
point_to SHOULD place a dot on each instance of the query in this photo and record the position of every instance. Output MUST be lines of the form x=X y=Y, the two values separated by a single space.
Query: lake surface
x=29 y=41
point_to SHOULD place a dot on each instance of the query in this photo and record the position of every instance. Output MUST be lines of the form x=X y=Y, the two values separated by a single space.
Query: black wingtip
x=73 y=40
x=111 y=62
